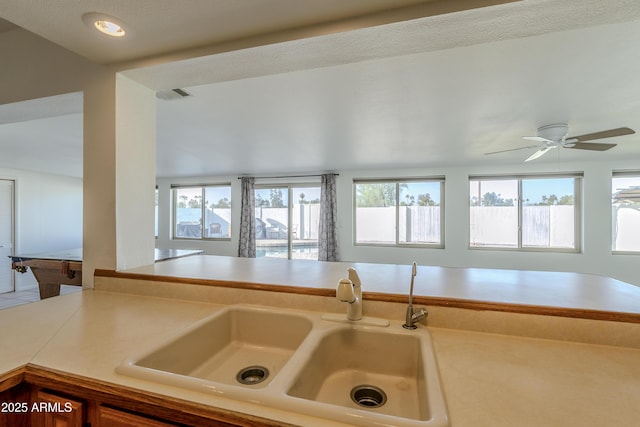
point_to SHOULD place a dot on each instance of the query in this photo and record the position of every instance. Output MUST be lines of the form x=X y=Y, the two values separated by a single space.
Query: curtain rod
x=287 y=176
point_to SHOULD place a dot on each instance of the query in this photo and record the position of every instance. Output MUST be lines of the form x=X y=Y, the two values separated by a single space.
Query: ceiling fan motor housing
x=555 y=132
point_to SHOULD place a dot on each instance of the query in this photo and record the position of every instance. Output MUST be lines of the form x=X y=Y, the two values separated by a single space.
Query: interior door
x=6 y=235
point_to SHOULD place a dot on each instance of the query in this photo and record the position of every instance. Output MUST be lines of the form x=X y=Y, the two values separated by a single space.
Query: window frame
x=156 y=214
x=174 y=203
x=577 y=220
x=621 y=174
x=397 y=182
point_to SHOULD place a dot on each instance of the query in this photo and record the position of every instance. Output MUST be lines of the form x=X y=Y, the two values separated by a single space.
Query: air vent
x=172 y=94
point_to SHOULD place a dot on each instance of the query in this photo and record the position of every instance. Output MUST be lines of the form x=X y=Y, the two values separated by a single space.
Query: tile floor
x=11 y=299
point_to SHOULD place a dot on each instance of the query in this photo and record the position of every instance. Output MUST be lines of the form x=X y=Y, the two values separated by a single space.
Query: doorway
x=6 y=235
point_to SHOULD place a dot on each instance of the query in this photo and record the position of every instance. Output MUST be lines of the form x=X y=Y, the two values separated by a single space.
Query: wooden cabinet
x=14 y=401
x=38 y=397
x=50 y=410
x=109 y=417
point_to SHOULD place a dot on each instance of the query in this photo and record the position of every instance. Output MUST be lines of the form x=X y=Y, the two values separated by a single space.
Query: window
x=534 y=212
x=399 y=212
x=625 y=206
x=287 y=221
x=202 y=212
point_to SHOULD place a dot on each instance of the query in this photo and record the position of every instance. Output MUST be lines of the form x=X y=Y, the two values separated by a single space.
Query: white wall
x=135 y=165
x=48 y=215
x=594 y=258
x=37 y=68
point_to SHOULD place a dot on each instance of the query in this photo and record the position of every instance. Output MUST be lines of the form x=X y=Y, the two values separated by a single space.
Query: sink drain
x=368 y=396
x=252 y=375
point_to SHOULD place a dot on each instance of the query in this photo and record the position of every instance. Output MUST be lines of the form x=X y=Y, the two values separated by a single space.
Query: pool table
x=52 y=269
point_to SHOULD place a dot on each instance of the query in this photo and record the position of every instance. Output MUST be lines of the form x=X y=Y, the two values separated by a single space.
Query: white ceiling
x=431 y=92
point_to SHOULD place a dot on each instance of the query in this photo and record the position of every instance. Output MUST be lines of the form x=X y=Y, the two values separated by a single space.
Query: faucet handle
x=353 y=276
x=345 y=292
x=419 y=314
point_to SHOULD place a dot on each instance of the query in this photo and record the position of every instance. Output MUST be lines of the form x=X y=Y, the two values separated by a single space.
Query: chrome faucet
x=413 y=316
x=350 y=291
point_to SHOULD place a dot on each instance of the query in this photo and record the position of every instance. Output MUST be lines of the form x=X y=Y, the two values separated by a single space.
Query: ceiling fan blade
x=604 y=134
x=536 y=138
x=593 y=146
x=538 y=153
x=511 y=149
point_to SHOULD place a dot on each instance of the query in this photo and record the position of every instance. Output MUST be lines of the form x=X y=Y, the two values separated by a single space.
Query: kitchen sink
x=388 y=376
x=239 y=346
x=298 y=361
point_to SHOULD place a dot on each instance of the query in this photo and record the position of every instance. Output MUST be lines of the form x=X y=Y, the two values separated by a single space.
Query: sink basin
x=298 y=361
x=377 y=375
x=239 y=346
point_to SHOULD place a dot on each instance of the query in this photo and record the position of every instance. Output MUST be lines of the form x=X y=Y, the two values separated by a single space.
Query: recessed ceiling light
x=106 y=24
x=109 y=28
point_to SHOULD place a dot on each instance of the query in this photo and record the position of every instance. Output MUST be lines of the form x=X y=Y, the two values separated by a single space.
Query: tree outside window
x=529 y=212
x=398 y=212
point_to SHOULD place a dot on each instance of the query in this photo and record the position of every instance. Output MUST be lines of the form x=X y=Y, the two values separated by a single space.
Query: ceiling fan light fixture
x=105 y=24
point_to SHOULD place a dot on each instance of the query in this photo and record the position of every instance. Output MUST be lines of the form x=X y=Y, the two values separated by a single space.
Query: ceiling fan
x=555 y=136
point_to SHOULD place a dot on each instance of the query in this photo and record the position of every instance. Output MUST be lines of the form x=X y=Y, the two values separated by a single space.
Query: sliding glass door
x=287 y=219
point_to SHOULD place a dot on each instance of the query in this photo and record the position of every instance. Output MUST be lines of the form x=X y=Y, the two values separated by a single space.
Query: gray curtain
x=328 y=230
x=247 y=246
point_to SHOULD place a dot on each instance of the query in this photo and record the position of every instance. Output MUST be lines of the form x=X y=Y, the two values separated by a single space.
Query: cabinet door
x=15 y=407
x=108 y=417
x=49 y=410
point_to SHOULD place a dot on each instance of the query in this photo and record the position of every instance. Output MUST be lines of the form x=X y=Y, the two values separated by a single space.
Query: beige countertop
x=27 y=328
x=489 y=379
x=554 y=290
x=497 y=380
